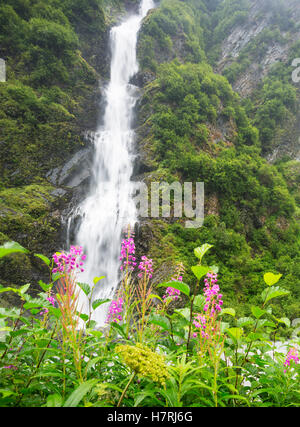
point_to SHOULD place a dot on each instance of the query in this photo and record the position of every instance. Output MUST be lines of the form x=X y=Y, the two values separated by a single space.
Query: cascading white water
x=109 y=208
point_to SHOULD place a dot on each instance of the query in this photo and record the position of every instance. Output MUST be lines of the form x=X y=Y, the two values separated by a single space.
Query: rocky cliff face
x=263 y=53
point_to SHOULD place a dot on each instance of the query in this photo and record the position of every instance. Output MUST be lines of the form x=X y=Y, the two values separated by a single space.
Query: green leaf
x=153 y=296
x=257 y=312
x=24 y=288
x=43 y=258
x=54 y=401
x=161 y=321
x=10 y=248
x=235 y=333
x=44 y=286
x=255 y=336
x=97 y=279
x=274 y=292
x=9 y=289
x=284 y=320
x=184 y=312
x=99 y=302
x=245 y=321
x=199 y=302
x=200 y=271
x=85 y=287
x=35 y=304
x=55 y=311
x=83 y=316
x=78 y=394
x=181 y=286
x=230 y=311
x=57 y=276
x=270 y=278
x=201 y=251
x=5 y=392
x=119 y=328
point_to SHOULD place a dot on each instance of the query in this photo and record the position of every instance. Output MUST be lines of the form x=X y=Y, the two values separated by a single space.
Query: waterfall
x=109 y=207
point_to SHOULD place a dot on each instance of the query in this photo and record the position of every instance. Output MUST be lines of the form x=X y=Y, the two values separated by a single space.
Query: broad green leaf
x=24 y=288
x=5 y=392
x=230 y=311
x=10 y=248
x=245 y=321
x=200 y=271
x=43 y=258
x=85 y=287
x=44 y=286
x=274 y=292
x=161 y=321
x=99 y=302
x=270 y=278
x=199 y=302
x=255 y=336
x=34 y=304
x=284 y=320
x=83 y=316
x=78 y=394
x=184 y=312
x=201 y=251
x=257 y=312
x=97 y=279
x=235 y=333
x=180 y=286
x=95 y=333
x=54 y=401
x=265 y=322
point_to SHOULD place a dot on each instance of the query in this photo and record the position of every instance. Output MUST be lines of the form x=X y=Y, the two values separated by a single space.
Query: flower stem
x=126 y=388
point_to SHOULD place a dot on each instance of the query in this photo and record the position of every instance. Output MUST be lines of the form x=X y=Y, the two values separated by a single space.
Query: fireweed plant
x=171 y=344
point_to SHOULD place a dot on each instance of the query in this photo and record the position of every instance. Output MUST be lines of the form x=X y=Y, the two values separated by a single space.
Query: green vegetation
x=150 y=353
x=197 y=129
x=52 y=76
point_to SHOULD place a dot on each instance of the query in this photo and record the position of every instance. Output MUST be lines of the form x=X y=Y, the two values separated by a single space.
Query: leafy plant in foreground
x=149 y=352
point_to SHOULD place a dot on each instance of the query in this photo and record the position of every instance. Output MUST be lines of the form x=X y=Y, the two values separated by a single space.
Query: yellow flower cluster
x=144 y=362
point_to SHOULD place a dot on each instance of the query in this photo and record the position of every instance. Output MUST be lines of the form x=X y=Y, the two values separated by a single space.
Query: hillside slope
x=217 y=105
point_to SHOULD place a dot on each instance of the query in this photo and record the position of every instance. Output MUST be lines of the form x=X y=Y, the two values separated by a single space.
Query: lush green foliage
x=155 y=354
x=197 y=129
x=44 y=111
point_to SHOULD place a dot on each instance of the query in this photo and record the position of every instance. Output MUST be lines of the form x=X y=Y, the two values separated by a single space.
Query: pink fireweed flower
x=69 y=262
x=127 y=254
x=51 y=300
x=146 y=267
x=172 y=292
x=213 y=301
x=200 y=323
x=292 y=355
x=115 y=308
